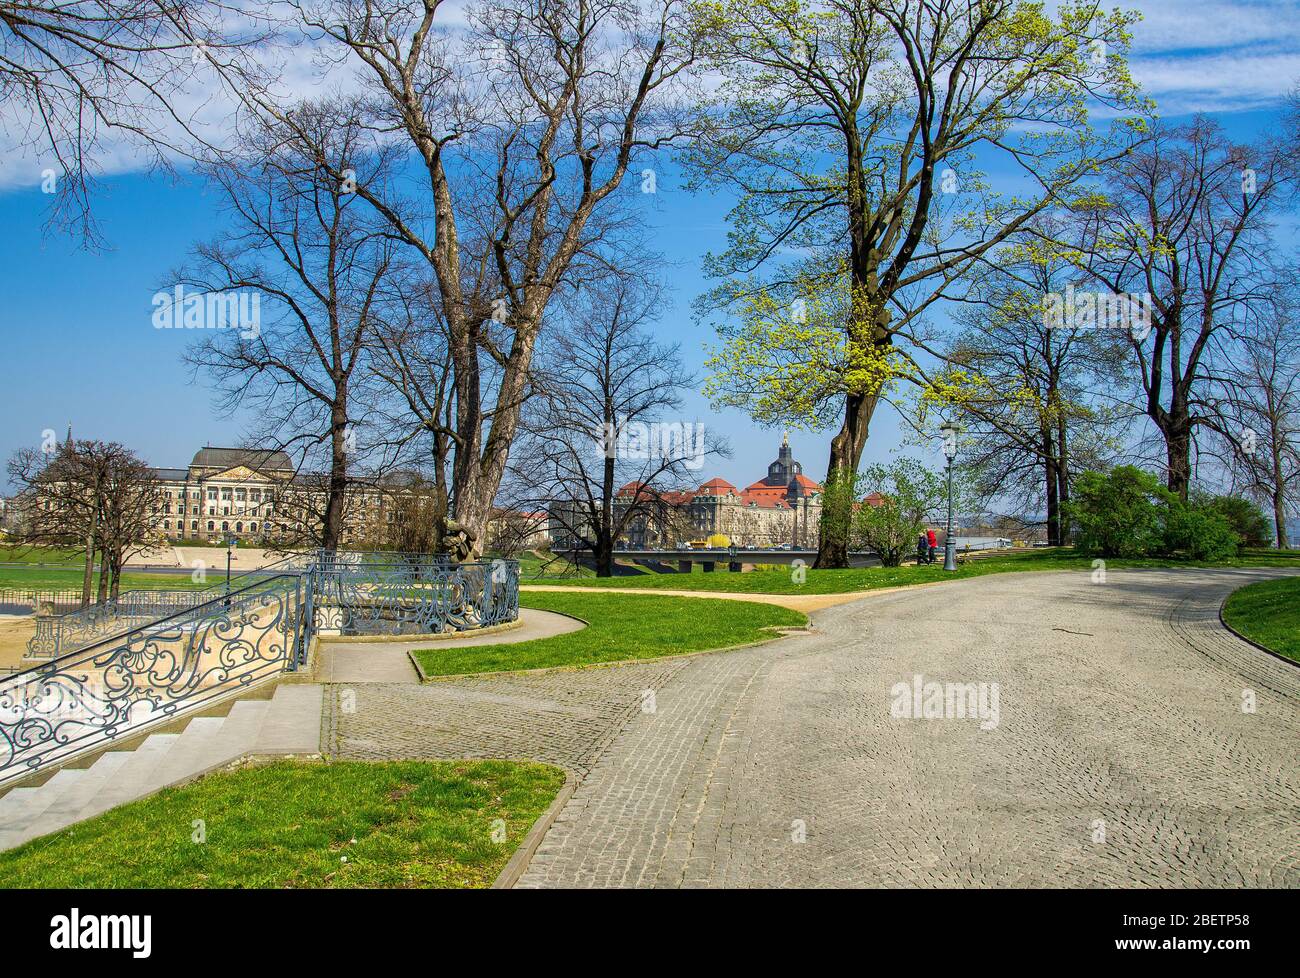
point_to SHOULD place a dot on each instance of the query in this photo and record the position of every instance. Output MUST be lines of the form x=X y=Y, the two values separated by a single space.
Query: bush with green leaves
x=1117 y=513
x=1247 y=520
x=1197 y=532
x=1127 y=512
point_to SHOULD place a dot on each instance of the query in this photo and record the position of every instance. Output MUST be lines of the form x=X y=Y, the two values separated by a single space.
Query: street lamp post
x=950 y=430
x=231 y=544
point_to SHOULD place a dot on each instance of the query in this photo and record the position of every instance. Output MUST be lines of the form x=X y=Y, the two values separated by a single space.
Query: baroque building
x=782 y=508
x=257 y=496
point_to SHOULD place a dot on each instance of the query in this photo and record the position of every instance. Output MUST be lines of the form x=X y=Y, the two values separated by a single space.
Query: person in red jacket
x=933 y=539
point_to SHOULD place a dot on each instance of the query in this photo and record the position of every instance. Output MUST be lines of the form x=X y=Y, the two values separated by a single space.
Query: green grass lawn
x=782 y=581
x=56 y=579
x=398 y=824
x=17 y=554
x=534 y=564
x=622 y=626
x=1268 y=613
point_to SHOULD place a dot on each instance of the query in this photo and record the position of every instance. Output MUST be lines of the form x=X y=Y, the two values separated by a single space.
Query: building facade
x=784 y=507
x=257 y=496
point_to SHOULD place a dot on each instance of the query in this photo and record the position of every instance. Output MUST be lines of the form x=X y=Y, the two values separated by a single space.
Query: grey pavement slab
x=1138 y=743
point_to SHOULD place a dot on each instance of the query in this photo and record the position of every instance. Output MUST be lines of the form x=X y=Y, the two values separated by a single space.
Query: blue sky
x=79 y=347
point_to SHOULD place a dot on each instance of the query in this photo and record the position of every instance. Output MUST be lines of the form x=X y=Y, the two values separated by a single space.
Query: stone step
x=288 y=723
x=63 y=812
x=184 y=759
x=212 y=746
x=22 y=806
x=125 y=785
x=293 y=721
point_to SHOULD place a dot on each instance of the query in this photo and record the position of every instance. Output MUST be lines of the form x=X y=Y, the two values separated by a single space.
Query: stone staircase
x=288 y=723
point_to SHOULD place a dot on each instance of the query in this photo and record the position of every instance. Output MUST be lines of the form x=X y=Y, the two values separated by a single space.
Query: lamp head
x=950 y=431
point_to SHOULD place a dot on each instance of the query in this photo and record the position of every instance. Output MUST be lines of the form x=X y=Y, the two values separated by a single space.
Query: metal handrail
x=179 y=662
x=151 y=672
x=53 y=634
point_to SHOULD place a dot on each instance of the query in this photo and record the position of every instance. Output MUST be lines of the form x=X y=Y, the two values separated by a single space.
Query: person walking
x=922 y=549
x=932 y=539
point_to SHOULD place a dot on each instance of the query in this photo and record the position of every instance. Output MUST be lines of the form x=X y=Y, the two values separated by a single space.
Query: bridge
x=735 y=558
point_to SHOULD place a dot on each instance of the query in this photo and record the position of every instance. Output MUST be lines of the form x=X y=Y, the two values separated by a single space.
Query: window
x=225 y=527
x=225 y=494
x=240 y=495
x=212 y=495
x=194 y=524
x=167 y=524
x=253 y=527
x=239 y=527
x=211 y=526
x=255 y=495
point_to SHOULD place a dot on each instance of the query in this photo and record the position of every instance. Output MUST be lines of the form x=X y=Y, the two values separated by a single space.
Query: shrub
x=1198 y=532
x=1128 y=513
x=1247 y=520
x=1117 y=513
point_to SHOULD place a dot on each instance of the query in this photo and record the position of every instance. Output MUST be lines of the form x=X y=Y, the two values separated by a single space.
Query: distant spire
x=785 y=439
x=68 y=443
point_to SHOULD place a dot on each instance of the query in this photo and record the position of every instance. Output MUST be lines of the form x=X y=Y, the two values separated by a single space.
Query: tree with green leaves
x=851 y=130
x=882 y=508
x=1037 y=402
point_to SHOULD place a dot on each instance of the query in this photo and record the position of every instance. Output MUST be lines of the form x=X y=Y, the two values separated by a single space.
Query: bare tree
x=415 y=393
x=307 y=251
x=1185 y=222
x=1258 y=413
x=525 y=120
x=601 y=424
x=79 y=73
x=92 y=494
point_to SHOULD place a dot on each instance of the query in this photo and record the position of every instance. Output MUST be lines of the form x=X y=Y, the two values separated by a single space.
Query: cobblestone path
x=1123 y=751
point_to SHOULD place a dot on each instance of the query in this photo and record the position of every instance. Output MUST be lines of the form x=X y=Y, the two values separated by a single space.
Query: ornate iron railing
x=149 y=673
x=407 y=594
x=22 y=601
x=153 y=670
x=54 y=635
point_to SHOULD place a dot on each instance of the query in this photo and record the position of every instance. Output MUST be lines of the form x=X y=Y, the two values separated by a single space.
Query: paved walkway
x=390 y=662
x=1122 y=755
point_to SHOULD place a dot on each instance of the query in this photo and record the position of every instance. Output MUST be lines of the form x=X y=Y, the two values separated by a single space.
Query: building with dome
x=783 y=507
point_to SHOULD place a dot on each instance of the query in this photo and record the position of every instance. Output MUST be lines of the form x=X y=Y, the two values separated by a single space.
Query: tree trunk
x=845 y=455
x=102 y=590
x=605 y=531
x=88 y=573
x=604 y=554
x=1053 y=488
x=1178 y=443
x=1279 y=519
x=1063 y=479
x=332 y=531
x=116 y=584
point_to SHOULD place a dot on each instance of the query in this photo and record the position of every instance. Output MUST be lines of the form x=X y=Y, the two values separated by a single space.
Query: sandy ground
x=15 y=630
